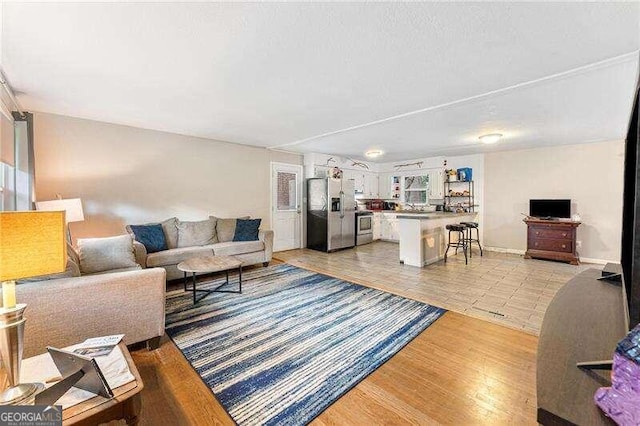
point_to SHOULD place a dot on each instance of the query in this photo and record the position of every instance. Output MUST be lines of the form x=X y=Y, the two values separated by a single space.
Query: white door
x=286 y=209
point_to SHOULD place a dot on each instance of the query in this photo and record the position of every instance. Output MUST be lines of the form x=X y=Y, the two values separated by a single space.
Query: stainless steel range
x=364 y=227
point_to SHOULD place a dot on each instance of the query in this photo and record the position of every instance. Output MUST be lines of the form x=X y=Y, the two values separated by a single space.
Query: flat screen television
x=550 y=209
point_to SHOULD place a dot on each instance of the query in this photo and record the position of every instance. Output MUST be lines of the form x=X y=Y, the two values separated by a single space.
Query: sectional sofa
x=213 y=236
x=67 y=308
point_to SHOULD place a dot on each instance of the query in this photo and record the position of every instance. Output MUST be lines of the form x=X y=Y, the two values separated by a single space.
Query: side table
x=125 y=404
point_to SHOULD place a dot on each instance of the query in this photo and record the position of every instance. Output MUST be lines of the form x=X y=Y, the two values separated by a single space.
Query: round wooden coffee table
x=206 y=265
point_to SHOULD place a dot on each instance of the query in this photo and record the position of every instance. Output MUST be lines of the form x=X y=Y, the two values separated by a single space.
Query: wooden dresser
x=552 y=239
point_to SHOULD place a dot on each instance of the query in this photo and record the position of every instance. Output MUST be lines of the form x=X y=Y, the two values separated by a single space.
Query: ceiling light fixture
x=490 y=138
x=373 y=153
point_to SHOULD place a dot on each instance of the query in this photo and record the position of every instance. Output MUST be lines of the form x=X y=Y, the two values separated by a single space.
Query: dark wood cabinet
x=552 y=239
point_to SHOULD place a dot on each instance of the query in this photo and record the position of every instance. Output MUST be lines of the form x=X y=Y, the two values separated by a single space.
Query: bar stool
x=469 y=237
x=462 y=240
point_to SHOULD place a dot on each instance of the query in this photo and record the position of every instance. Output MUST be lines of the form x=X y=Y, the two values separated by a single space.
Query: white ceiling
x=333 y=77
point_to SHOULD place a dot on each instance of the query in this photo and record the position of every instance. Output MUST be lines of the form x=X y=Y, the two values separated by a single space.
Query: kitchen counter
x=430 y=215
x=386 y=223
x=423 y=236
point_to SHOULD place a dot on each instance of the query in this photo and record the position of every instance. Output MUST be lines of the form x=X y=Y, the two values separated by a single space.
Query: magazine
x=98 y=346
x=94 y=352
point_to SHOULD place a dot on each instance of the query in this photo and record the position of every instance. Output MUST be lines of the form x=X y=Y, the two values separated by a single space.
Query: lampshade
x=72 y=207
x=31 y=244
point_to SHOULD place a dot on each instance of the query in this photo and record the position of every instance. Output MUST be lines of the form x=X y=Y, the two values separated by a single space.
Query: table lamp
x=31 y=244
x=71 y=206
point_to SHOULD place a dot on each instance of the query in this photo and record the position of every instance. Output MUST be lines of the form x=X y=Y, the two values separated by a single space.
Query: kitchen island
x=423 y=236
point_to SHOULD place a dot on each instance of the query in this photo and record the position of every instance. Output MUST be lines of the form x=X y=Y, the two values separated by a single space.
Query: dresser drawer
x=552 y=244
x=544 y=232
x=552 y=239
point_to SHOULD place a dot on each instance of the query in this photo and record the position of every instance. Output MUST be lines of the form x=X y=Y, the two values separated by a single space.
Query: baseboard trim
x=504 y=250
x=521 y=252
x=596 y=261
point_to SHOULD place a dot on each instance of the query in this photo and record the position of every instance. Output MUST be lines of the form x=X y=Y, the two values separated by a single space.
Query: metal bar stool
x=469 y=237
x=461 y=243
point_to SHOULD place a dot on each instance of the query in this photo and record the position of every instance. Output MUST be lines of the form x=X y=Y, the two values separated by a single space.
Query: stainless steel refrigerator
x=331 y=214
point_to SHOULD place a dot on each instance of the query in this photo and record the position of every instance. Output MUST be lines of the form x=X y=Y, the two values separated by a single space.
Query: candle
x=9 y=294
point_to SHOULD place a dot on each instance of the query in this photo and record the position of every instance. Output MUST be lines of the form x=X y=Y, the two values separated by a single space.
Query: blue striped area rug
x=293 y=342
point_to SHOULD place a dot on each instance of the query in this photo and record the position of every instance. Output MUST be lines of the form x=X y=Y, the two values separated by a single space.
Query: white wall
x=130 y=175
x=591 y=175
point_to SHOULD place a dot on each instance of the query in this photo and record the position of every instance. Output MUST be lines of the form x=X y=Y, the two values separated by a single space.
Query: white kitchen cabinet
x=436 y=184
x=389 y=227
x=321 y=171
x=385 y=230
x=395 y=228
x=371 y=185
x=384 y=186
x=358 y=180
x=377 y=225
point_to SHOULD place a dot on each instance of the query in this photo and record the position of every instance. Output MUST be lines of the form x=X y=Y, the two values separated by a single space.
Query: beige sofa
x=67 y=310
x=203 y=238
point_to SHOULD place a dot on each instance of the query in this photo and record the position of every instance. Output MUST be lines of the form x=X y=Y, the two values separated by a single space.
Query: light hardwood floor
x=499 y=287
x=460 y=370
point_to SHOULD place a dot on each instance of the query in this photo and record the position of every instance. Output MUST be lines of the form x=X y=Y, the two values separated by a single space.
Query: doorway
x=286 y=206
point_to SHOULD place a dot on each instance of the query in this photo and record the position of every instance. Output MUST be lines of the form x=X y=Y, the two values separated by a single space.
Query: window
x=7 y=161
x=416 y=189
x=287 y=191
x=7 y=187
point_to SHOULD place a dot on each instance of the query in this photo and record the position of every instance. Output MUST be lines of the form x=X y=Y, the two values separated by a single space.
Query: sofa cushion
x=175 y=256
x=151 y=236
x=247 y=230
x=105 y=254
x=169 y=227
x=231 y=248
x=226 y=228
x=198 y=233
x=73 y=255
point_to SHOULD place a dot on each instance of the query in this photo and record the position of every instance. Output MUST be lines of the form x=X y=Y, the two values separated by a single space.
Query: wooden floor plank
x=460 y=370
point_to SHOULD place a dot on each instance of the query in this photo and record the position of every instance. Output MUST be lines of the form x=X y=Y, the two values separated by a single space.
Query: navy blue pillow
x=247 y=229
x=151 y=236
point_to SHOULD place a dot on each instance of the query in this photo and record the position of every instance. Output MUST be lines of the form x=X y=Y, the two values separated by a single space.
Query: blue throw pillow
x=151 y=236
x=247 y=230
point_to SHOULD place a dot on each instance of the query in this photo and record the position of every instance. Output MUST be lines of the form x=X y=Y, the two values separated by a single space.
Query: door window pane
x=287 y=191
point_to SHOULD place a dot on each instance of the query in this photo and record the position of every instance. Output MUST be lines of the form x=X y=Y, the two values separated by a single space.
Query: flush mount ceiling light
x=374 y=153
x=490 y=138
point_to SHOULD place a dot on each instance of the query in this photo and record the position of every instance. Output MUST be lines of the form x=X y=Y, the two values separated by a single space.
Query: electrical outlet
x=578 y=244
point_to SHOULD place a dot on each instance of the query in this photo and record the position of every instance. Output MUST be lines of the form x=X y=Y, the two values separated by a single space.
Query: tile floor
x=499 y=287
